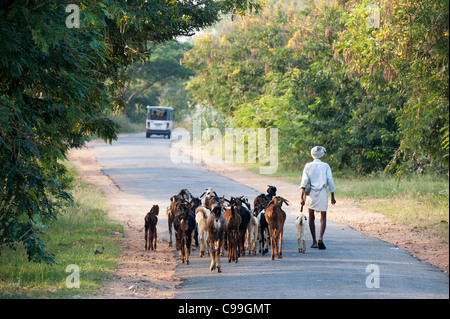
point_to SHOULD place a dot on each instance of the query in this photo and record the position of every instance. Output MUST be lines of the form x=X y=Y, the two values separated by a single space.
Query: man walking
x=318 y=174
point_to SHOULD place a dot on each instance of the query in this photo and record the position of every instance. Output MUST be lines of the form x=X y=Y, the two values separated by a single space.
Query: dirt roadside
x=152 y=275
x=141 y=274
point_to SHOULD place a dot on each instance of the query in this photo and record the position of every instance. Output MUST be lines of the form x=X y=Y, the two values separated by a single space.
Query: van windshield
x=157 y=114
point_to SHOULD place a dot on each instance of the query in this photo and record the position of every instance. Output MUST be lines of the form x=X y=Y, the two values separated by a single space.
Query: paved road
x=352 y=266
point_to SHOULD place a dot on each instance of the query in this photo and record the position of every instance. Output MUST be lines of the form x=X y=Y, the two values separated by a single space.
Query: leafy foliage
x=376 y=98
x=406 y=59
x=58 y=85
x=158 y=81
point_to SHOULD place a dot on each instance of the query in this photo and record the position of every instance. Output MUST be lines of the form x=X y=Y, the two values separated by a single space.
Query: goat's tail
x=302 y=218
x=202 y=211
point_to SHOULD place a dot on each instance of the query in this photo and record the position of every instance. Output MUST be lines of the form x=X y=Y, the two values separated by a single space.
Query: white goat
x=201 y=217
x=300 y=224
x=251 y=236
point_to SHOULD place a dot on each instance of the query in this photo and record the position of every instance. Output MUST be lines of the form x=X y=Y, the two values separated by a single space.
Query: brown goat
x=262 y=200
x=232 y=229
x=151 y=220
x=245 y=219
x=215 y=228
x=172 y=211
x=184 y=225
x=275 y=217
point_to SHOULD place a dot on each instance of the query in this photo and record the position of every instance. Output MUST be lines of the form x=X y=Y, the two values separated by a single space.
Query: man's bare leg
x=323 y=224
x=312 y=228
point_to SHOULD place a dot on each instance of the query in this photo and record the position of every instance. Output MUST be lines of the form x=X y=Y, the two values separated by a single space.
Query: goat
x=252 y=234
x=209 y=198
x=215 y=228
x=275 y=217
x=184 y=225
x=245 y=219
x=171 y=214
x=263 y=233
x=150 y=227
x=185 y=195
x=262 y=200
x=201 y=217
x=194 y=203
x=232 y=229
x=300 y=224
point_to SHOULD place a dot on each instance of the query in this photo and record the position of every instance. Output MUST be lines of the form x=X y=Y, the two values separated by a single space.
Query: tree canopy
x=158 y=81
x=58 y=84
x=375 y=95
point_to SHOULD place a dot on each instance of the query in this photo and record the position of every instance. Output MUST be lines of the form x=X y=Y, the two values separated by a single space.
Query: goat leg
x=229 y=249
x=221 y=248
x=169 y=222
x=217 y=254
x=259 y=240
x=187 y=251
x=145 y=238
x=207 y=246
x=213 y=258
x=272 y=243
x=202 y=244
x=182 y=249
x=150 y=238
x=280 y=249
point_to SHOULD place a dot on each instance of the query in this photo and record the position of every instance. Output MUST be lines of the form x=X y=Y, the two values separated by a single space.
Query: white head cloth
x=318 y=152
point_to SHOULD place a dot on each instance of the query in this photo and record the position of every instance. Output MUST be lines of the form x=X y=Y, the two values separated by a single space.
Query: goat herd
x=228 y=224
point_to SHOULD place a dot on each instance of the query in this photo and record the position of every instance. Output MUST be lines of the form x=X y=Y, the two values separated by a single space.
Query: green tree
x=375 y=97
x=405 y=58
x=279 y=69
x=158 y=81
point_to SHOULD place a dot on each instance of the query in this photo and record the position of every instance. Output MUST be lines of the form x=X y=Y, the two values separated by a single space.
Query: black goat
x=184 y=225
x=263 y=233
x=262 y=200
x=245 y=219
x=151 y=220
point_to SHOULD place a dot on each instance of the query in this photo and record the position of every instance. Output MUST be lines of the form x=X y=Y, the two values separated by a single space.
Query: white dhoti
x=317 y=200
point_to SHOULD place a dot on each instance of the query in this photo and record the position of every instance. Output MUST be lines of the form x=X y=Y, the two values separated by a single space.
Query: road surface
x=352 y=266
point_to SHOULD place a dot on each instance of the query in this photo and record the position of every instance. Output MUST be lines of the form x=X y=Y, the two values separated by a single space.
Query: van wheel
x=168 y=136
x=147 y=135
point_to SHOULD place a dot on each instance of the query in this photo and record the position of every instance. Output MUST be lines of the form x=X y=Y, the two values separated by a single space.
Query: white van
x=159 y=120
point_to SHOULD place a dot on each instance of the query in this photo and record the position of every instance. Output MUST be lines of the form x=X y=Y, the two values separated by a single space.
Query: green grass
x=414 y=201
x=73 y=238
x=417 y=201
